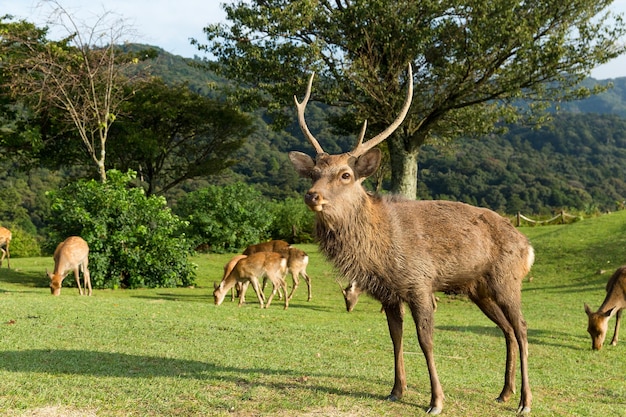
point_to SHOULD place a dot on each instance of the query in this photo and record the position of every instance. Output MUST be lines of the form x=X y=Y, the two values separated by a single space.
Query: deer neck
x=360 y=243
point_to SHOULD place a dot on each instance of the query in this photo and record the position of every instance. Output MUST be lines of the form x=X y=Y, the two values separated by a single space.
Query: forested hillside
x=574 y=163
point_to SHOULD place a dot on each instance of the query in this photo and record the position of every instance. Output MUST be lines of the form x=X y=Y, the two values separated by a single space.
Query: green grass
x=165 y=352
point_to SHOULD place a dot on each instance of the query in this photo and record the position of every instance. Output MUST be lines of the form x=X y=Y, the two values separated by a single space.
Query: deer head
x=349 y=168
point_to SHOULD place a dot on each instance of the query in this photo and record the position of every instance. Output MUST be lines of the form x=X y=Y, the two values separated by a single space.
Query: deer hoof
x=392 y=398
x=434 y=411
x=523 y=410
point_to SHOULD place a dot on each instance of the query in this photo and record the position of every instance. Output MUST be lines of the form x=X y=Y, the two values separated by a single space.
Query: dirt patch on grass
x=54 y=411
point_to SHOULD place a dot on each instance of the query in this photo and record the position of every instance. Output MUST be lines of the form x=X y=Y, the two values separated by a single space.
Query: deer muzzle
x=314 y=200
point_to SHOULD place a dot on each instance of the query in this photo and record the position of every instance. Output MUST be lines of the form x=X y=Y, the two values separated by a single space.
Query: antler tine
x=302 y=122
x=361 y=147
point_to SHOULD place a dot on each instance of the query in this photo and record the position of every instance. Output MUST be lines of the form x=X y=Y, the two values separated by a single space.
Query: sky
x=169 y=24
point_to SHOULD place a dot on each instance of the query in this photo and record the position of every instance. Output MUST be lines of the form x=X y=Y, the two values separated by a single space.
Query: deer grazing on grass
x=70 y=255
x=227 y=269
x=5 y=242
x=249 y=270
x=613 y=304
x=297 y=261
x=401 y=251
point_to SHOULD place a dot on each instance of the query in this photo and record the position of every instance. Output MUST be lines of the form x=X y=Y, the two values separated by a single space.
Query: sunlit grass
x=164 y=352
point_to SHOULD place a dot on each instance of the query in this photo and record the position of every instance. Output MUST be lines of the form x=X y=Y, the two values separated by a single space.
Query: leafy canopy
x=473 y=61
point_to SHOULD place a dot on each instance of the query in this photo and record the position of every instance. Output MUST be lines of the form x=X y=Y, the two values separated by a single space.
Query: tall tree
x=170 y=134
x=473 y=61
x=83 y=74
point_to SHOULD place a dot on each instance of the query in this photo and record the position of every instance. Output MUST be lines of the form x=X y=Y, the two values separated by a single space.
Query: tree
x=171 y=134
x=473 y=62
x=82 y=74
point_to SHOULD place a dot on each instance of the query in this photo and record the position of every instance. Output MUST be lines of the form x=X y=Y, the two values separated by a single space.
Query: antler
x=302 y=122
x=361 y=147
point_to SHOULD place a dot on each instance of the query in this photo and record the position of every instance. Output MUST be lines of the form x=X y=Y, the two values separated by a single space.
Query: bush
x=134 y=241
x=227 y=218
x=23 y=244
x=293 y=221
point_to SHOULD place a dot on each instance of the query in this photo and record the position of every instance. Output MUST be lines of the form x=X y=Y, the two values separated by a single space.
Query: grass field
x=171 y=352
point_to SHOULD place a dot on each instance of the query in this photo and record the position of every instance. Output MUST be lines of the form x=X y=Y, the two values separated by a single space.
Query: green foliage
x=175 y=134
x=574 y=163
x=135 y=241
x=226 y=218
x=293 y=221
x=23 y=243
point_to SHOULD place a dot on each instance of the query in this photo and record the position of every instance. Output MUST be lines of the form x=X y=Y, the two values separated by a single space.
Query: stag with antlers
x=401 y=251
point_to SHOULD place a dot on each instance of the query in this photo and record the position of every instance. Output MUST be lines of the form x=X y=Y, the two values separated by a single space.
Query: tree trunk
x=403 y=167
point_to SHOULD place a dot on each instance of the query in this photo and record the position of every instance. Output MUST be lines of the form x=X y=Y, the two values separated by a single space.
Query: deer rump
x=401 y=251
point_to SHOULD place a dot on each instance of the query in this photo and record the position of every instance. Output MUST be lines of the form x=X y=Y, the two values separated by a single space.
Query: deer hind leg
x=278 y=284
x=257 y=289
x=495 y=314
x=296 y=282
x=307 y=279
x=422 y=310
x=395 y=319
x=618 y=317
x=86 y=277
x=510 y=304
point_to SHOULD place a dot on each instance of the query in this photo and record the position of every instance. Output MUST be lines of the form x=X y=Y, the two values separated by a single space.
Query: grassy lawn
x=165 y=352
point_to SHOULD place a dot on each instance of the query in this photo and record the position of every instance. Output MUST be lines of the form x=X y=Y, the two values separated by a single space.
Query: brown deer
x=401 y=251
x=70 y=255
x=271 y=246
x=249 y=270
x=227 y=269
x=613 y=304
x=297 y=261
x=5 y=242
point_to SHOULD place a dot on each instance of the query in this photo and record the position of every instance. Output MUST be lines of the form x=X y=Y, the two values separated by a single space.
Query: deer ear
x=303 y=163
x=368 y=163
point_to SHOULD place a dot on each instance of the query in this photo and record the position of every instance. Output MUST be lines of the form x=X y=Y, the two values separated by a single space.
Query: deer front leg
x=618 y=317
x=395 y=316
x=422 y=310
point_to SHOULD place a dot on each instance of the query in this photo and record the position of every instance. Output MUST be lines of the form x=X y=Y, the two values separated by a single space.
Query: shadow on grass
x=121 y=365
x=561 y=340
x=27 y=279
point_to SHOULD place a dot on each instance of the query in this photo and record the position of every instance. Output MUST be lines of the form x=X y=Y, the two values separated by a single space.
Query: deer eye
x=345 y=176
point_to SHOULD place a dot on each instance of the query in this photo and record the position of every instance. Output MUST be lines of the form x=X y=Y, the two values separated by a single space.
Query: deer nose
x=312 y=198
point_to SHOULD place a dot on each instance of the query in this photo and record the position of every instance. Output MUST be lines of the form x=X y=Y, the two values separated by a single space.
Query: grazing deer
x=227 y=269
x=613 y=304
x=5 y=241
x=297 y=261
x=249 y=270
x=70 y=255
x=401 y=251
